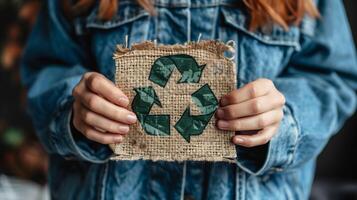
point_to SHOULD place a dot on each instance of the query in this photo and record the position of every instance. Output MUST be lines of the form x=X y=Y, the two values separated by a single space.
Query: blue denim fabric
x=313 y=65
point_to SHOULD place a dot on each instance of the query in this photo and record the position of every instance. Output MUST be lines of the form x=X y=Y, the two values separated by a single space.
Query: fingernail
x=118 y=139
x=124 y=129
x=220 y=113
x=238 y=140
x=131 y=118
x=223 y=124
x=124 y=100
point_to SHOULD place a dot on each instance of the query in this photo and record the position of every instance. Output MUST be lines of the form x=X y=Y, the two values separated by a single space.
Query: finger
x=260 y=138
x=79 y=89
x=103 y=124
x=102 y=107
x=252 y=90
x=100 y=85
x=256 y=122
x=251 y=107
x=97 y=136
x=99 y=129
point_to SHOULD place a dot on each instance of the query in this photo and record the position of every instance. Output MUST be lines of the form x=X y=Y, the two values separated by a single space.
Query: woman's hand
x=99 y=109
x=256 y=106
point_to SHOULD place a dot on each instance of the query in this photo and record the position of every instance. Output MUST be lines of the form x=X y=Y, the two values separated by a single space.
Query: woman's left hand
x=257 y=106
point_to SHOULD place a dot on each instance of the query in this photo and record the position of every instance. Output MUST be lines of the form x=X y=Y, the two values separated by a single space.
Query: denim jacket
x=313 y=65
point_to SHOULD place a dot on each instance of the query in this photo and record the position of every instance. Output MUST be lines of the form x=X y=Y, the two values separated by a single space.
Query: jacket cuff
x=275 y=155
x=74 y=148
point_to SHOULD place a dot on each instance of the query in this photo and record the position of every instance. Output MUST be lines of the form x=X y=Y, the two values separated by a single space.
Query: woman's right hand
x=100 y=109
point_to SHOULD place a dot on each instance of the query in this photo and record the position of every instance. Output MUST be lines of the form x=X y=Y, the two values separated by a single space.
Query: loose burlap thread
x=132 y=71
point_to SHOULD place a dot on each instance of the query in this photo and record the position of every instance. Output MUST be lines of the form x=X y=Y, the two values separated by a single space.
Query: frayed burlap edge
x=152 y=158
x=215 y=47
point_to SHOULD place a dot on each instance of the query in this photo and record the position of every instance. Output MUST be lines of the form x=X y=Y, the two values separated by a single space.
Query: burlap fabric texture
x=134 y=66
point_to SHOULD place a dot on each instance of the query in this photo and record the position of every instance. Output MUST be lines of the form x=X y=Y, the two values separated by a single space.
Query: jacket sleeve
x=318 y=84
x=52 y=64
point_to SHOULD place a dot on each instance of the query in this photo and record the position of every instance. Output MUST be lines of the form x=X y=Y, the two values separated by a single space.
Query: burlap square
x=133 y=67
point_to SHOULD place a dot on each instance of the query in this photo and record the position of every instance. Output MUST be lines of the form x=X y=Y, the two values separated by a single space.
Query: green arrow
x=189 y=125
x=207 y=103
x=188 y=67
x=161 y=70
x=163 y=67
x=143 y=101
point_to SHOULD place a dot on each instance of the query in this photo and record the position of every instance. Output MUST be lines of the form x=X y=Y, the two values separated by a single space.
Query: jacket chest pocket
x=130 y=21
x=259 y=54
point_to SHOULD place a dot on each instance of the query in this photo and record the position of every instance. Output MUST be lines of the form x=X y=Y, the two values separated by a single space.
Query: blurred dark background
x=23 y=161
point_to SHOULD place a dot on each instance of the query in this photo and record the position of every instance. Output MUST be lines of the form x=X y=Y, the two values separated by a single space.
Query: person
x=297 y=72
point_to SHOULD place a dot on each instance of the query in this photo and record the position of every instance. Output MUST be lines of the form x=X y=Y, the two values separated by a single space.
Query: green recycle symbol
x=188 y=125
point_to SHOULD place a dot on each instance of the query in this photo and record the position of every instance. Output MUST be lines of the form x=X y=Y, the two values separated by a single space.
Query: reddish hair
x=262 y=12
